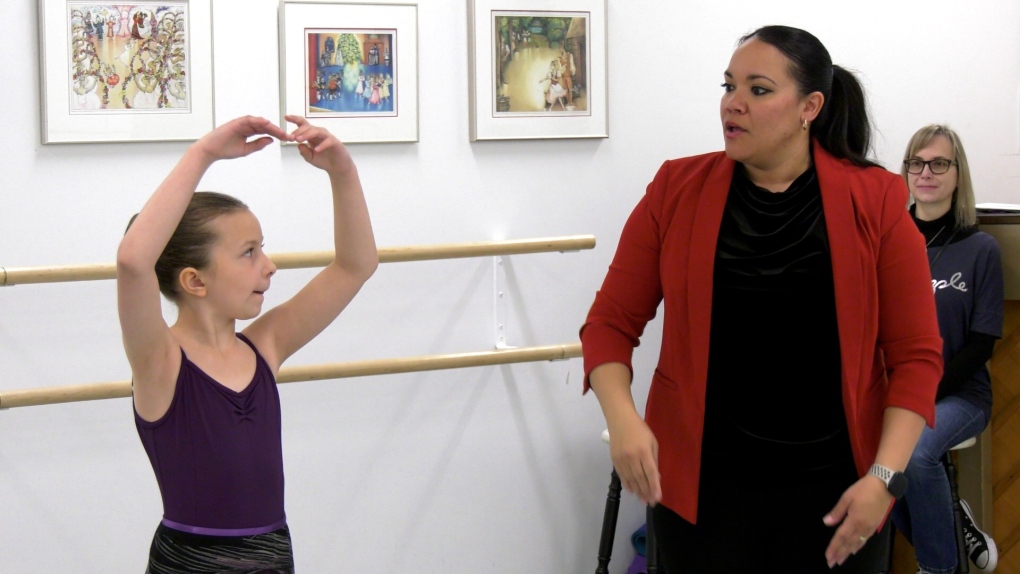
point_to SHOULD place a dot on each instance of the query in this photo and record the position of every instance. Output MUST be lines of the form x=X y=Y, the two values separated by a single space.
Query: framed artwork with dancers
x=132 y=72
x=351 y=67
x=538 y=69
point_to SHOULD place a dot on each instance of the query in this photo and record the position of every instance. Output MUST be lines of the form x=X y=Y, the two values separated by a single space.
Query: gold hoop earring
x=803 y=124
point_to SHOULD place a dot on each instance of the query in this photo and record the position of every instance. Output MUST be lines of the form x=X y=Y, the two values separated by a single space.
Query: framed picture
x=538 y=69
x=351 y=67
x=125 y=72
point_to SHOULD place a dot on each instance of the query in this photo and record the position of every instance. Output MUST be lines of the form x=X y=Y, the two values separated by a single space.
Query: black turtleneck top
x=774 y=378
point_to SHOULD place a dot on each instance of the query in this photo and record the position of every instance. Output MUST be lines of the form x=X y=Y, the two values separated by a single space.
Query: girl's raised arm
x=283 y=330
x=150 y=348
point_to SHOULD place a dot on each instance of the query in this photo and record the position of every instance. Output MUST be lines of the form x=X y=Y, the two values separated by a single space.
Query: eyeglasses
x=937 y=166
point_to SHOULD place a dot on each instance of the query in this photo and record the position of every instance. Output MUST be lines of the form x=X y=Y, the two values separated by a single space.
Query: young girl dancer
x=206 y=405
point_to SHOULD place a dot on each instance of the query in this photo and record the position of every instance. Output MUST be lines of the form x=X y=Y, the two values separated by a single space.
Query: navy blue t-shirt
x=968 y=284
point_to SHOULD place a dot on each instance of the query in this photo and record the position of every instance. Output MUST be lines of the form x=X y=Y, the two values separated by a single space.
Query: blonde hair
x=963 y=196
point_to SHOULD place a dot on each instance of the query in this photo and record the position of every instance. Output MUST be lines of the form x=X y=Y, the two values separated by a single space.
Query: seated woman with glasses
x=967 y=280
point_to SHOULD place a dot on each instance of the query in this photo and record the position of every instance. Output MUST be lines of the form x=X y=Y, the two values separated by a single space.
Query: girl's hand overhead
x=230 y=140
x=320 y=148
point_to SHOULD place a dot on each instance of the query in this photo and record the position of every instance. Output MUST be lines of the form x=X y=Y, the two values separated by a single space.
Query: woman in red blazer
x=800 y=348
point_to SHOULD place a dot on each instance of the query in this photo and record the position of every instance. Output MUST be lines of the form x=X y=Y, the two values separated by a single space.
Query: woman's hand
x=230 y=140
x=632 y=445
x=861 y=510
x=320 y=148
x=635 y=454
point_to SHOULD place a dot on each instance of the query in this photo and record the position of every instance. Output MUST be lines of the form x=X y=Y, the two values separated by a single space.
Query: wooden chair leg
x=609 y=524
x=963 y=563
x=651 y=544
x=889 y=531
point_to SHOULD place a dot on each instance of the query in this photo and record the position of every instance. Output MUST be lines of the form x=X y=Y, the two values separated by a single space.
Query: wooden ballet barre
x=98 y=272
x=120 y=389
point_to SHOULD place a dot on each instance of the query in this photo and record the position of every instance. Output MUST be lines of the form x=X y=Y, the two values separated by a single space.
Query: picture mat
x=296 y=17
x=59 y=125
x=484 y=125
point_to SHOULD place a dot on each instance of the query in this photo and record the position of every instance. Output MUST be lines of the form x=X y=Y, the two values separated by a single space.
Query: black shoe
x=980 y=546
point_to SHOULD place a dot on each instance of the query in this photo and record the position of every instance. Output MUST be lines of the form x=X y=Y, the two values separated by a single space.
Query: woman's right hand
x=632 y=446
x=635 y=454
x=230 y=140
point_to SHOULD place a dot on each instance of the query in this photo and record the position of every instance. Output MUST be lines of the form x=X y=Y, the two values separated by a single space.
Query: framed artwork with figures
x=351 y=67
x=538 y=70
x=125 y=72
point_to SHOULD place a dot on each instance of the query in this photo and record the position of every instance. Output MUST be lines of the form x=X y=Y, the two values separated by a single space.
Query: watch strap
x=883 y=473
x=895 y=482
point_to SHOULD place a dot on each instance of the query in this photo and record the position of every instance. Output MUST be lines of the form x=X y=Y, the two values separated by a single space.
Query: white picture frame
x=351 y=67
x=538 y=70
x=92 y=91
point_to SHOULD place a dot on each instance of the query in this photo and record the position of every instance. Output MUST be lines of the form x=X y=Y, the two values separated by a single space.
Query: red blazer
x=888 y=332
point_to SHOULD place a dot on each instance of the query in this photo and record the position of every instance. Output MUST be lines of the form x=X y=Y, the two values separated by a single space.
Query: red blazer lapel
x=841 y=225
x=705 y=226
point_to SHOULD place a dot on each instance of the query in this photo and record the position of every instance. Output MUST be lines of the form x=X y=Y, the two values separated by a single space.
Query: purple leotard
x=217 y=454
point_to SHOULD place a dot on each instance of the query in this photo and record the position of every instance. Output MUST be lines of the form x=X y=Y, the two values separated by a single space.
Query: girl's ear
x=191 y=282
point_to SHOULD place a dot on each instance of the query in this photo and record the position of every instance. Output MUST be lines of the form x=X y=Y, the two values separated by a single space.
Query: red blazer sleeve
x=632 y=289
x=908 y=330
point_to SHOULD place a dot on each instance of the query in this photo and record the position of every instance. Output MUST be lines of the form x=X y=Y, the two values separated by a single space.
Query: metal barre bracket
x=500 y=296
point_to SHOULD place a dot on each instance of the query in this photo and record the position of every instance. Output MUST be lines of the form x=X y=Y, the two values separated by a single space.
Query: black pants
x=749 y=528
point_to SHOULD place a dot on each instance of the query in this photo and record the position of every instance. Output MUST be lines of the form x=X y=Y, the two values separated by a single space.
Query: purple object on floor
x=638 y=566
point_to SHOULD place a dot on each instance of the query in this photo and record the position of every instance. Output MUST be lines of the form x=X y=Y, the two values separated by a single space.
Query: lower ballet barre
x=120 y=389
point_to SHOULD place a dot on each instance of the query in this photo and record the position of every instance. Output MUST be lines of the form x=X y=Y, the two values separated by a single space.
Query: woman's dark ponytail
x=843 y=127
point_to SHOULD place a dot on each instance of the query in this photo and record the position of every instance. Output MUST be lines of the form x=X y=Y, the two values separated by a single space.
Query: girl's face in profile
x=239 y=270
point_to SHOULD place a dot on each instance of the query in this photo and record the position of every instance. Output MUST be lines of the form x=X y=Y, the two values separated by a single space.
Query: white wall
x=491 y=469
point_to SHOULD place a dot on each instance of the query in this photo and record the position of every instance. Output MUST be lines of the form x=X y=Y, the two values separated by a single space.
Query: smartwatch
x=895 y=481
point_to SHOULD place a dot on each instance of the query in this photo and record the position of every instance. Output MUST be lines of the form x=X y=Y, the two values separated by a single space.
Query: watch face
x=897 y=485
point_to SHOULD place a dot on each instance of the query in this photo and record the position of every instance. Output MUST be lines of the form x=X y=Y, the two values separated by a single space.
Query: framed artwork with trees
x=351 y=67
x=538 y=69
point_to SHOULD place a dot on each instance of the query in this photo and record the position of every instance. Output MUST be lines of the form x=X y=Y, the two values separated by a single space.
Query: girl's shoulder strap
x=259 y=359
x=248 y=342
x=152 y=407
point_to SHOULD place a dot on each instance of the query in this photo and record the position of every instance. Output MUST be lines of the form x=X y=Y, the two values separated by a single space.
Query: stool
x=962 y=561
x=609 y=526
